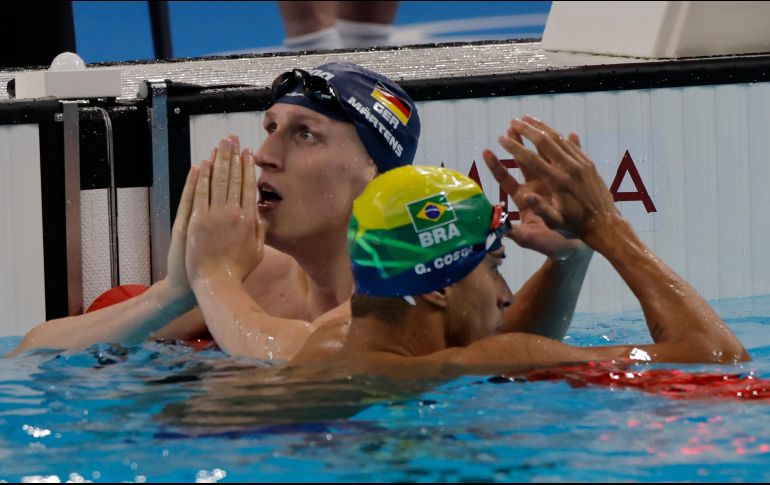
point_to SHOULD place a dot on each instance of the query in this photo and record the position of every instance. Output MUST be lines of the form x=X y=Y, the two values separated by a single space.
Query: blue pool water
x=163 y=413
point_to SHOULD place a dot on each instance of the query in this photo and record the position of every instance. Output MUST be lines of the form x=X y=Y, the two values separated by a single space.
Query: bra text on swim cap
x=438 y=235
x=372 y=118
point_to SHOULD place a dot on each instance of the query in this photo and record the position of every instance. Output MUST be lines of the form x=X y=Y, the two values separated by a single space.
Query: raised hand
x=176 y=273
x=225 y=236
x=532 y=232
x=563 y=186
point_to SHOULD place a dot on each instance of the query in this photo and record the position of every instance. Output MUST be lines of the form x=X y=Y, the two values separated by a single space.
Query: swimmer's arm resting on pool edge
x=166 y=310
x=132 y=321
x=682 y=324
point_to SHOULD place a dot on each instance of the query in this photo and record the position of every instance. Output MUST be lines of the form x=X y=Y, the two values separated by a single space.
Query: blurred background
x=110 y=31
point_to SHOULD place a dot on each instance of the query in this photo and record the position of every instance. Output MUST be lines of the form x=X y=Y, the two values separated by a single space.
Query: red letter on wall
x=473 y=174
x=627 y=166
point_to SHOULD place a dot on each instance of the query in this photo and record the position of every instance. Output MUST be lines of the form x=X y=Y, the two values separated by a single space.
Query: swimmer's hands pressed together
x=225 y=236
x=225 y=243
x=176 y=272
x=564 y=188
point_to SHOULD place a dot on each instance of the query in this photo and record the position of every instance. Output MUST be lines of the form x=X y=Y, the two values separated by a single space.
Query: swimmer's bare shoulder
x=280 y=287
x=325 y=343
x=275 y=267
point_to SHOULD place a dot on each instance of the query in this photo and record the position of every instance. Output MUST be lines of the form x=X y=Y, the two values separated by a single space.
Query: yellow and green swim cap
x=417 y=229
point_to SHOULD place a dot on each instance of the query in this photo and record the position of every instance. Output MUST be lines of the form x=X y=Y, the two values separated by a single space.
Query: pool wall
x=682 y=144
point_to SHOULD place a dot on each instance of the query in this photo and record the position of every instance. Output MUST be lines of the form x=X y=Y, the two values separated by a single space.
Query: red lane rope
x=671 y=383
x=116 y=295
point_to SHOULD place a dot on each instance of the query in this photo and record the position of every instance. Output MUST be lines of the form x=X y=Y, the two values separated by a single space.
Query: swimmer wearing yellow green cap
x=425 y=248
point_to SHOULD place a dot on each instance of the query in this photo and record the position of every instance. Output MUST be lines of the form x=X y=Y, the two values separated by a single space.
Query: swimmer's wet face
x=323 y=147
x=313 y=167
x=476 y=303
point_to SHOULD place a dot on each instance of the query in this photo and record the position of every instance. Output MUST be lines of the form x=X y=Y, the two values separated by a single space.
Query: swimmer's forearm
x=185 y=327
x=240 y=326
x=129 y=322
x=654 y=284
x=546 y=303
x=674 y=311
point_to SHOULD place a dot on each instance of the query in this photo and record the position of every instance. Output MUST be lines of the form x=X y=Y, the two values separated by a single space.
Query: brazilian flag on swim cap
x=417 y=229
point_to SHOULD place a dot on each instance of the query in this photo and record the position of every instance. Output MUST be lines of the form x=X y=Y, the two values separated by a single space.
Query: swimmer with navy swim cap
x=330 y=131
x=425 y=249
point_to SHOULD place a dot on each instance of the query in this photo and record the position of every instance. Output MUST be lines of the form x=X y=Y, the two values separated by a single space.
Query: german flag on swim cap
x=399 y=107
x=417 y=229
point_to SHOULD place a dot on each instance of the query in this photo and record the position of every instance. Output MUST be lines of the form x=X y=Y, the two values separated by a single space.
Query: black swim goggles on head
x=315 y=88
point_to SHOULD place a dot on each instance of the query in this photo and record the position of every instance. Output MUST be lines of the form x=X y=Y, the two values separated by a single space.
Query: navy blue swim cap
x=385 y=116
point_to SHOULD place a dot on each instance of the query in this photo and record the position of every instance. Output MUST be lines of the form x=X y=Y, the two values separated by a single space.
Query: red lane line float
x=671 y=383
x=116 y=295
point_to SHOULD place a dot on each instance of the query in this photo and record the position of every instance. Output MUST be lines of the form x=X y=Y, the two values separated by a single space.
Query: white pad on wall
x=207 y=130
x=22 y=276
x=95 y=234
x=133 y=240
x=134 y=235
